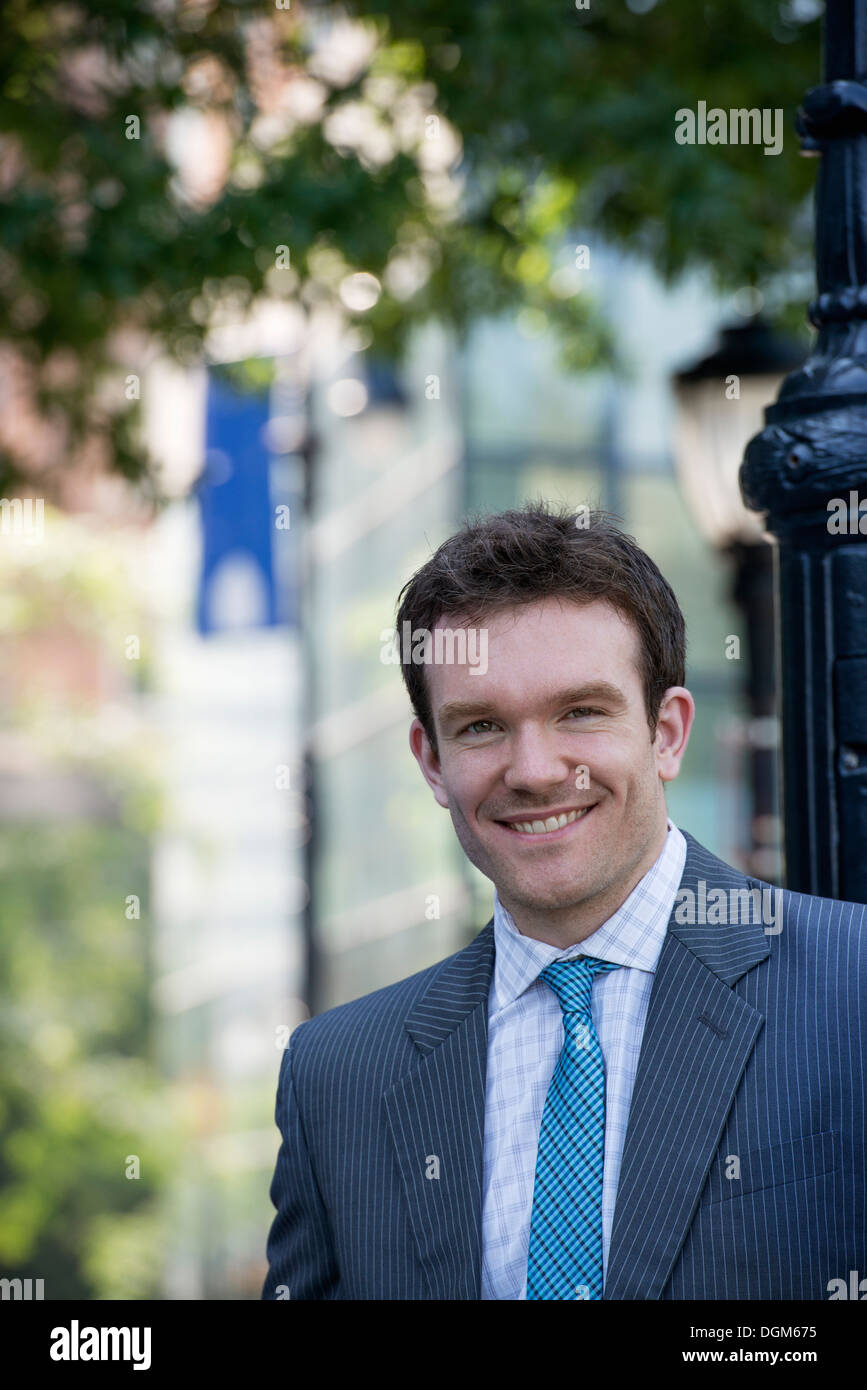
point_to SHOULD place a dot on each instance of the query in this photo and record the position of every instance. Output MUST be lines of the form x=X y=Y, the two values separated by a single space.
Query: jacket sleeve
x=301 y=1259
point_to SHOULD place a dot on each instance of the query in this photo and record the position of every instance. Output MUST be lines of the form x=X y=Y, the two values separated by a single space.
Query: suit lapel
x=436 y=1115
x=698 y=1038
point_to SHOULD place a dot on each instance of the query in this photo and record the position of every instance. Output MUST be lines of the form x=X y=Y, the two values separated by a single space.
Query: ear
x=676 y=713
x=427 y=761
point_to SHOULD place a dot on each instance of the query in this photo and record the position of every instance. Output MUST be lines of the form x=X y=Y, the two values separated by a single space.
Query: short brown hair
x=517 y=557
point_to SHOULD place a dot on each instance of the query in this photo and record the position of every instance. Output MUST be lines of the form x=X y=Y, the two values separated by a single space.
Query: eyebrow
x=456 y=710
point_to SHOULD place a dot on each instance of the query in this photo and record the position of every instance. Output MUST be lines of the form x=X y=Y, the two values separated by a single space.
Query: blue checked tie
x=565 y=1252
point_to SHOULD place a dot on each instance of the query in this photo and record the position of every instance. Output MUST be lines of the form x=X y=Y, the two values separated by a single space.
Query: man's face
x=546 y=763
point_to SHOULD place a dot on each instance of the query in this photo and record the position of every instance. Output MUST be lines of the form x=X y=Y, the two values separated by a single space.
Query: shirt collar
x=632 y=936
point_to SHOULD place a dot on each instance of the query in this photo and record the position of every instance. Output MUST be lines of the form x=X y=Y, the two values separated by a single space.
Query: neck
x=567 y=926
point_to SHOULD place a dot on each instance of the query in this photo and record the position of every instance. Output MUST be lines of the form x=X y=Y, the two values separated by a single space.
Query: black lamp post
x=807 y=465
x=720 y=402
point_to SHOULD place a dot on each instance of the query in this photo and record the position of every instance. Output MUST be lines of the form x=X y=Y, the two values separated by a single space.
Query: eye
x=476 y=725
x=585 y=709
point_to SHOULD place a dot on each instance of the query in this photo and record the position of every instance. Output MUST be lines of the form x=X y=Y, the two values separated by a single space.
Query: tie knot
x=572 y=981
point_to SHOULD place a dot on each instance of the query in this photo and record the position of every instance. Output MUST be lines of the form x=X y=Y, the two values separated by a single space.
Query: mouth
x=553 y=825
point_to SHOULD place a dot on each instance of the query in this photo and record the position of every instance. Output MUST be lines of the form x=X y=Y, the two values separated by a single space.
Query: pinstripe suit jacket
x=752 y=1065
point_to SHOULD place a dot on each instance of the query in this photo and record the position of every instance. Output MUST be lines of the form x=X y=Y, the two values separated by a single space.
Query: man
x=645 y=1078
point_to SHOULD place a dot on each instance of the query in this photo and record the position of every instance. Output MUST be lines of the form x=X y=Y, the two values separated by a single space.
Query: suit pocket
x=809 y=1156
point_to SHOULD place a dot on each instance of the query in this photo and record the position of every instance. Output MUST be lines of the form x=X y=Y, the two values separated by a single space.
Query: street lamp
x=720 y=405
x=721 y=401
x=809 y=461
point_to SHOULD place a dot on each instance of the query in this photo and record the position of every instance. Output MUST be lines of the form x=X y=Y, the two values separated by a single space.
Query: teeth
x=544 y=827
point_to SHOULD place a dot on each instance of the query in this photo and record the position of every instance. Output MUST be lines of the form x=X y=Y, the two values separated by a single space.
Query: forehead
x=548 y=644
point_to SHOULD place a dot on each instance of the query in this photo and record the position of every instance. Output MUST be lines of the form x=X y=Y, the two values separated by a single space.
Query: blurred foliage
x=78 y=1093
x=584 y=100
x=449 y=149
x=69 y=589
x=80 y=1090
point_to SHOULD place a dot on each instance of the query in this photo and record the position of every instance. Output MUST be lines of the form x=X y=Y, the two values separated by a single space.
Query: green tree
x=448 y=149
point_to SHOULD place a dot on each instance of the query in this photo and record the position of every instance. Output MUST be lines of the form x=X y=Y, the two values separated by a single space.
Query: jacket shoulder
x=824 y=941
x=811 y=916
x=808 y=911
x=804 y=914
x=380 y=1010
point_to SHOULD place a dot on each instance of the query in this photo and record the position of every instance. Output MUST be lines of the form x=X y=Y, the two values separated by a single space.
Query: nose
x=536 y=763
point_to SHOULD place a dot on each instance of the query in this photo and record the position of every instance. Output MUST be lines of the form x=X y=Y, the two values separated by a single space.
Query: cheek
x=625 y=768
x=475 y=765
x=464 y=785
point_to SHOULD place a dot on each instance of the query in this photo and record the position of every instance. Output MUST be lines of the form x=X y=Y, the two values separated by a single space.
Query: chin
x=548 y=899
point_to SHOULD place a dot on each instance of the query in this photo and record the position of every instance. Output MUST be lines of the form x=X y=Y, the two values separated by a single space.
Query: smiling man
x=635 y=1082
x=554 y=785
